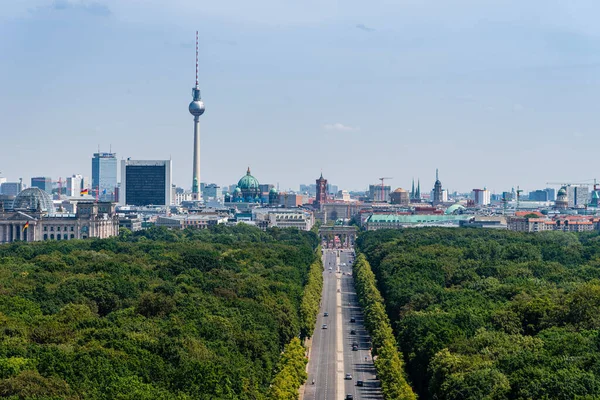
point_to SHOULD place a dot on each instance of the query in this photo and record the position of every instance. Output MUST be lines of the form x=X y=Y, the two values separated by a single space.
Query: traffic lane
x=323 y=350
x=363 y=369
x=348 y=340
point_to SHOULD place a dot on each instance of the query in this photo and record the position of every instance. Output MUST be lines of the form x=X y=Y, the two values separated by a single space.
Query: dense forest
x=152 y=315
x=482 y=314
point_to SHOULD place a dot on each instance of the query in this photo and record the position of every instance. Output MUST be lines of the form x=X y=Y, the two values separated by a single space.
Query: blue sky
x=493 y=93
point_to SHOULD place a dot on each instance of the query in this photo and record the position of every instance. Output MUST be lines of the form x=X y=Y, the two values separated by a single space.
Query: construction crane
x=519 y=191
x=596 y=185
x=382 y=187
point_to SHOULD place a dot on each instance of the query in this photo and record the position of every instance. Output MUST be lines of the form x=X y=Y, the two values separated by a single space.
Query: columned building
x=33 y=219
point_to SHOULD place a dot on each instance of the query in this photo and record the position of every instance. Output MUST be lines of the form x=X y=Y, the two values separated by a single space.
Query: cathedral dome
x=248 y=182
x=562 y=191
x=31 y=198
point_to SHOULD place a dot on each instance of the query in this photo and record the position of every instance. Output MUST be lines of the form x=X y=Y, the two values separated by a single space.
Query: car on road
x=354 y=347
x=324 y=326
x=359 y=383
x=348 y=377
x=330 y=268
x=353 y=332
x=349 y=397
x=326 y=314
x=352 y=319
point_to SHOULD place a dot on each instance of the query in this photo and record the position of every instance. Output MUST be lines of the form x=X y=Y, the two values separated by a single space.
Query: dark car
x=353 y=332
x=326 y=314
x=349 y=397
x=354 y=347
x=359 y=383
x=352 y=319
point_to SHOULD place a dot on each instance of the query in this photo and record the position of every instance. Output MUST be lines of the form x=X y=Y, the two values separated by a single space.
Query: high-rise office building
x=578 y=196
x=551 y=194
x=538 y=195
x=104 y=176
x=11 y=188
x=145 y=182
x=42 y=182
x=481 y=197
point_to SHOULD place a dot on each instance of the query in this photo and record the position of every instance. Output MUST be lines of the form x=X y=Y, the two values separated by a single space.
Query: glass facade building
x=104 y=175
x=145 y=183
x=42 y=182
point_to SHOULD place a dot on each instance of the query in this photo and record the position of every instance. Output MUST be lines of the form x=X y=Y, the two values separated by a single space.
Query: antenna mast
x=196 y=59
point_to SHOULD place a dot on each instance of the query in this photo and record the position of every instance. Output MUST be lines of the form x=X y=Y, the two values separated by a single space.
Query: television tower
x=196 y=109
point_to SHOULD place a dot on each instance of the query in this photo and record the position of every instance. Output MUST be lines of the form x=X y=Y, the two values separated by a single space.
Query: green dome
x=273 y=190
x=562 y=191
x=595 y=195
x=237 y=190
x=248 y=182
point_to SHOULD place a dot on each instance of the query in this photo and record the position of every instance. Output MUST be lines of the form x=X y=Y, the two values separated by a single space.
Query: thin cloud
x=90 y=7
x=339 y=127
x=365 y=28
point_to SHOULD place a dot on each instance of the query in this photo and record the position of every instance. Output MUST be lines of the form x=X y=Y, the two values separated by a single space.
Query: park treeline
x=291 y=371
x=388 y=362
x=485 y=314
x=196 y=314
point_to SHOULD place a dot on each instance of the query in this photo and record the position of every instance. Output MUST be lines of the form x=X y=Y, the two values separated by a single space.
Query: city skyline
x=478 y=91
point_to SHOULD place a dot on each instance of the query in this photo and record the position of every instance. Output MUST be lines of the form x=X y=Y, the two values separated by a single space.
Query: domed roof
x=454 y=208
x=274 y=191
x=400 y=190
x=248 y=182
x=31 y=198
x=237 y=190
x=562 y=191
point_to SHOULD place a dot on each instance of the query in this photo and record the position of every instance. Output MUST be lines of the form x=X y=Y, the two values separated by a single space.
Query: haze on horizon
x=495 y=93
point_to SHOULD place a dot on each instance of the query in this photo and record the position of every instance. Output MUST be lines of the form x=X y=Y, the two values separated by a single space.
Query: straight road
x=332 y=354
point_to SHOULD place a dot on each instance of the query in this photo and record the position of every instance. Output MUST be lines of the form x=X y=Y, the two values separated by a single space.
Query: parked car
x=348 y=377
x=326 y=314
x=324 y=326
x=349 y=397
x=353 y=332
x=352 y=319
x=359 y=383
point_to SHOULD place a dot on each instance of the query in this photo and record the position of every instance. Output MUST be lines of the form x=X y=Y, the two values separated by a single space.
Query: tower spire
x=196 y=59
x=436 y=175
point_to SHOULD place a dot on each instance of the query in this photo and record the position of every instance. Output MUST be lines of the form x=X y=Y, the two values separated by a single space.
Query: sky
x=494 y=93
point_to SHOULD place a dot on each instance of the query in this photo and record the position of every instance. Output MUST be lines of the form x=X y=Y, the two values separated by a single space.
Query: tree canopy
x=156 y=314
x=482 y=314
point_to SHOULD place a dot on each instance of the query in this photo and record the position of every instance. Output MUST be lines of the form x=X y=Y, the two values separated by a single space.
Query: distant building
x=311 y=189
x=578 y=196
x=332 y=189
x=562 y=201
x=283 y=218
x=291 y=200
x=212 y=191
x=146 y=182
x=196 y=221
x=400 y=196
x=342 y=195
x=11 y=188
x=42 y=182
x=539 y=195
x=481 y=197
x=377 y=193
x=33 y=219
x=104 y=175
x=437 y=190
x=551 y=194
x=248 y=189
x=321 y=191
x=415 y=195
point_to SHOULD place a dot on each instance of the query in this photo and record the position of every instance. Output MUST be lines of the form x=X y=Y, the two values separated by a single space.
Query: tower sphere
x=196 y=108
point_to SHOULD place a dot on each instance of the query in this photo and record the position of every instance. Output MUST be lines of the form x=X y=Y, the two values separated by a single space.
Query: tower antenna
x=196 y=58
